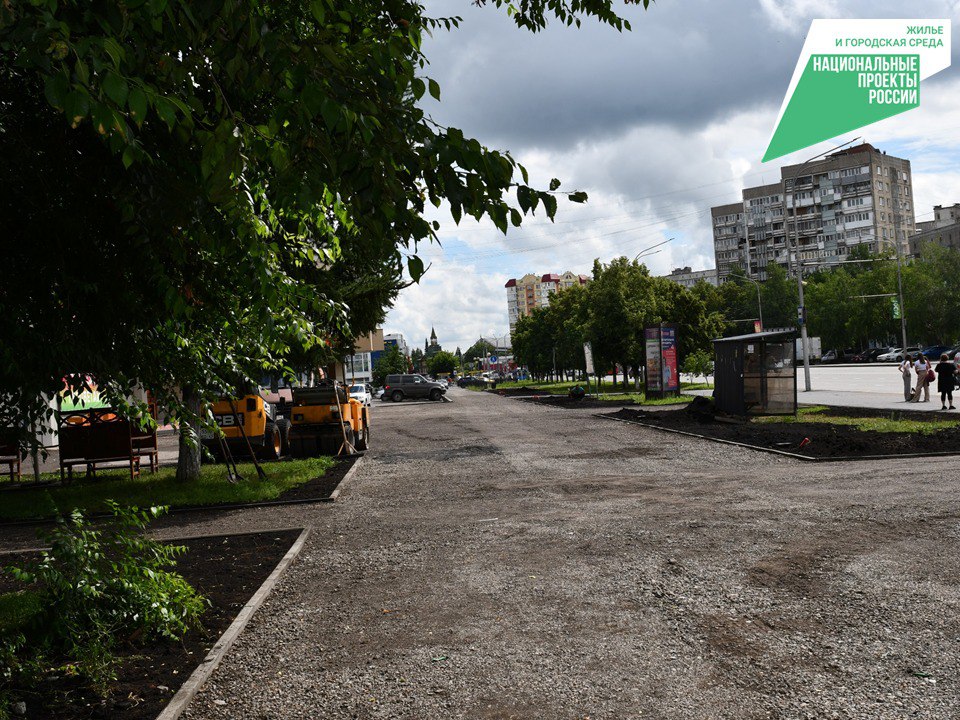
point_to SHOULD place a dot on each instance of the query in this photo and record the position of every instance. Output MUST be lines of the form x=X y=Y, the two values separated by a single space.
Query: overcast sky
x=657 y=125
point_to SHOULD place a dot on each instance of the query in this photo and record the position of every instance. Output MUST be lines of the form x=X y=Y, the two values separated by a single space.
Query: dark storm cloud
x=686 y=63
x=683 y=64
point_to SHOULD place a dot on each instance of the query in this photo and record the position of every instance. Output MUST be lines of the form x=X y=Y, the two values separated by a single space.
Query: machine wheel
x=435 y=394
x=272 y=442
x=396 y=396
x=283 y=425
x=363 y=439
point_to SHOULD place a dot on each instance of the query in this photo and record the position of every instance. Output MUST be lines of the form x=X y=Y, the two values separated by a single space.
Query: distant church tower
x=433 y=347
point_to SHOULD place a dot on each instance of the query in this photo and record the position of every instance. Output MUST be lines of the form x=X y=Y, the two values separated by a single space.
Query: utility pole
x=903 y=308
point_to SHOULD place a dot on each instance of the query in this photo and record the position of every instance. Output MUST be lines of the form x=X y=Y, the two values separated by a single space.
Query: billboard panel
x=651 y=337
x=668 y=351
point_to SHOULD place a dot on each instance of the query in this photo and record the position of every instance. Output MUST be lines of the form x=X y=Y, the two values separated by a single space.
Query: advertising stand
x=660 y=351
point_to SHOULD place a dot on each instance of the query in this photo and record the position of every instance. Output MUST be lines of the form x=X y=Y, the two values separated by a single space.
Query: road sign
x=493 y=359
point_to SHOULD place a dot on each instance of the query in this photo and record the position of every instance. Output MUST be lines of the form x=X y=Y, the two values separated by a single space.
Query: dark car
x=935 y=351
x=473 y=381
x=399 y=387
x=871 y=355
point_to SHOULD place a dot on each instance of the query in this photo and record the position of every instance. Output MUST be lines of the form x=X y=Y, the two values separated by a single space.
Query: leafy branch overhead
x=198 y=186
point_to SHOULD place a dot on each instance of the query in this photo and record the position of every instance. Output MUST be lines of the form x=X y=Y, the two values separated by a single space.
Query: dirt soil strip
x=192 y=686
x=795 y=456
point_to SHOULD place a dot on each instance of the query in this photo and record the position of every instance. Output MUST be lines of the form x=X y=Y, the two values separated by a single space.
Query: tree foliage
x=442 y=362
x=480 y=349
x=390 y=362
x=198 y=192
x=611 y=313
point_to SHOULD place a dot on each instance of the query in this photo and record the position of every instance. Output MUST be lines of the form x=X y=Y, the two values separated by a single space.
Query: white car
x=361 y=393
x=896 y=355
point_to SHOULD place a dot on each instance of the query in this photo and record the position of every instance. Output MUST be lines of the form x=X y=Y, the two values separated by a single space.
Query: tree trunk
x=188 y=461
x=626 y=386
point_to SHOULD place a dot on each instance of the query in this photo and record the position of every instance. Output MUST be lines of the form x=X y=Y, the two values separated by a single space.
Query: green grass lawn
x=160 y=489
x=815 y=414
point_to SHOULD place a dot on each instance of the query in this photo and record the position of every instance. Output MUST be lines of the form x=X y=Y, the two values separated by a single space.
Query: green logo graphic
x=839 y=93
x=852 y=73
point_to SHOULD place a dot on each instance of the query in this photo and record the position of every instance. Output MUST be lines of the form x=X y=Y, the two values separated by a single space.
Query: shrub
x=103 y=585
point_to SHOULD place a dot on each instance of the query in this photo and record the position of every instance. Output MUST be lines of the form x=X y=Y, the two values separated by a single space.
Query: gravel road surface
x=495 y=559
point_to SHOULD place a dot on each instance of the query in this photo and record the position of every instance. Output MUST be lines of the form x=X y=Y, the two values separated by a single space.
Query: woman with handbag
x=924 y=371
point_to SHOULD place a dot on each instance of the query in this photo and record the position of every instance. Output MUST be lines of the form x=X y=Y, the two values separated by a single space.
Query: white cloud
x=794 y=16
x=458 y=301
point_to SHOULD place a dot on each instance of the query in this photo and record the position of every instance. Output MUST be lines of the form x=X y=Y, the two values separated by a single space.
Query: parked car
x=896 y=355
x=871 y=355
x=838 y=356
x=399 y=387
x=473 y=381
x=935 y=351
x=361 y=393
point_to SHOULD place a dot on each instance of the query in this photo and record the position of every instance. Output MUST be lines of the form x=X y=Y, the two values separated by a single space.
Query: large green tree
x=198 y=191
x=442 y=362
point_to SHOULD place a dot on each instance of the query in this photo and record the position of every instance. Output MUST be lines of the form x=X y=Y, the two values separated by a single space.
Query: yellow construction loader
x=248 y=423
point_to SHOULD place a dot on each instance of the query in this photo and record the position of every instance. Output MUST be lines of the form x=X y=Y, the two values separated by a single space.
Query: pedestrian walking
x=906 y=370
x=946 y=371
x=923 y=371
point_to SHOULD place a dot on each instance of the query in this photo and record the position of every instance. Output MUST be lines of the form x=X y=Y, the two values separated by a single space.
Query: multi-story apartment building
x=944 y=229
x=688 y=278
x=817 y=214
x=728 y=234
x=533 y=291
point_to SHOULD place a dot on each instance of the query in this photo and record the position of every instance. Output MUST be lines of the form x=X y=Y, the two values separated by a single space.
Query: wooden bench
x=11 y=457
x=93 y=437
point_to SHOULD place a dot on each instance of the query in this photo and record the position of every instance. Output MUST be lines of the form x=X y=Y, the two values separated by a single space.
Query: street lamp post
x=802 y=310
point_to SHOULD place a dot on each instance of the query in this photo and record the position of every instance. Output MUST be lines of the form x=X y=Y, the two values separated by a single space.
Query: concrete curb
x=795 y=456
x=336 y=491
x=195 y=682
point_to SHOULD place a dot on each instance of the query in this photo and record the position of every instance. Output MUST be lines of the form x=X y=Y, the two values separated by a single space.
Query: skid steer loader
x=324 y=420
x=248 y=419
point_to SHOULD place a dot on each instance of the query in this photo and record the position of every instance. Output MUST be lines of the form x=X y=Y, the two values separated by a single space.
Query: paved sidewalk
x=874 y=386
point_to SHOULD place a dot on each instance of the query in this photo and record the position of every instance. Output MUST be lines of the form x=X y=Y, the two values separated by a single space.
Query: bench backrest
x=93 y=437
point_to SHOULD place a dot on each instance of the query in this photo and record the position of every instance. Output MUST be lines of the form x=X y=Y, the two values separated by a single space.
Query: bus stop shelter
x=756 y=374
